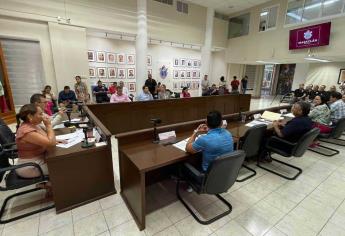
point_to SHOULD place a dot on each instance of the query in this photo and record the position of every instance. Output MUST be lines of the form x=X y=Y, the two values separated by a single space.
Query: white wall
x=218 y=68
x=324 y=73
x=300 y=76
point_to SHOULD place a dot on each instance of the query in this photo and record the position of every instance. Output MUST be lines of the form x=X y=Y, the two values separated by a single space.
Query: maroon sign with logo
x=311 y=36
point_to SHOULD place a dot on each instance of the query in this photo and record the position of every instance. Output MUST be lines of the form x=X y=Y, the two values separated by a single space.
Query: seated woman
x=32 y=141
x=321 y=114
x=185 y=93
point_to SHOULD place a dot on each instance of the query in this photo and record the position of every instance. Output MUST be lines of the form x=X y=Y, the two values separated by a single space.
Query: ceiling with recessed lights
x=228 y=7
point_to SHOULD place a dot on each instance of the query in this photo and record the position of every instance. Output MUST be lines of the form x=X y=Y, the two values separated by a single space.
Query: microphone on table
x=155 y=121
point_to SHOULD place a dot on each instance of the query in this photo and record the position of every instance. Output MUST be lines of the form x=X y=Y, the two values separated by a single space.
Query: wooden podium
x=7 y=110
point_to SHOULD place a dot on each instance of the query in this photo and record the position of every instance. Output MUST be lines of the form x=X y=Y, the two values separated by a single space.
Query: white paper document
x=60 y=126
x=181 y=145
x=257 y=122
x=167 y=135
x=71 y=139
x=271 y=116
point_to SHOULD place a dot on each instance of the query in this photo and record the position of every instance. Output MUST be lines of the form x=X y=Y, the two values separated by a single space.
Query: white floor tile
x=189 y=226
x=90 y=225
x=117 y=215
x=129 y=228
x=24 y=228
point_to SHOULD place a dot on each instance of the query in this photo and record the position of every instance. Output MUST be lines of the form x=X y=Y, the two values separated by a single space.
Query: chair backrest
x=304 y=142
x=338 y=130
x=223 y=172
x=252 y=140
x=6 y=135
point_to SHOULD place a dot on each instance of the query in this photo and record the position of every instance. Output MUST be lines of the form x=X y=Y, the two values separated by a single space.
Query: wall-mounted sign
x=310 y=36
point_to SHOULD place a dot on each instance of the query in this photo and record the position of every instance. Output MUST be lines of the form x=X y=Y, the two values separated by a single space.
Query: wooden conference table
x=138 y=157
x=81 y=175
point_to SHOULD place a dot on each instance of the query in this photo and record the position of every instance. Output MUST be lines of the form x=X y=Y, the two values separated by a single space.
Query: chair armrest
x=3 y=170
x=194 y=173
x=274 y=140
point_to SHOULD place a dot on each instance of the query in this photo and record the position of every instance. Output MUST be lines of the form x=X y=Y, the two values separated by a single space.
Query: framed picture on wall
x=131 y=87
x=188 y=74
x=183 y=62
x=130 y=59
x=121 y=73
x=101 y=57
x=199 y=63
x=182 y=74
x=131 y=73
x=149 y=72
x=341 y=77
x=91 y=55
x=189 y=63
x=195 y=63
x=176 y=62
x=92 y=72
x=198 y=74
x=149 y=60
x=176 y=74
x=111 y=58
x=120 y=58
x=101 y=72
x=194 y=74
x=111 y=72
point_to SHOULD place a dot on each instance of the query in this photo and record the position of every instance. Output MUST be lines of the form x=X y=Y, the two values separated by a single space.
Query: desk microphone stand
x=155 y=121
x=86 y=143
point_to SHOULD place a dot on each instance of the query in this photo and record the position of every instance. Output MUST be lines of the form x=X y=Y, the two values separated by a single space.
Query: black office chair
x=251 y=144
x=8 y=141
x=13 y=181
x=220 y=176
x=288 y=149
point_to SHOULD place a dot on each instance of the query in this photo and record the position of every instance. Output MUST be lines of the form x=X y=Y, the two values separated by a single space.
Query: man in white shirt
x=205 y=85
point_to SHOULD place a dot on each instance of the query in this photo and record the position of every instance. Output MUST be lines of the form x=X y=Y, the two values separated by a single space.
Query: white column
x=141 y=45
x=206 y=49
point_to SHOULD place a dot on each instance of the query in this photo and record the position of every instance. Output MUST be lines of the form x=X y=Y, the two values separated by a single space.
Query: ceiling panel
x=229 y=6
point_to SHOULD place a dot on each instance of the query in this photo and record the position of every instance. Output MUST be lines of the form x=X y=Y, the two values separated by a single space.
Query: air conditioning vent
x=168 y=2
x=182 y=7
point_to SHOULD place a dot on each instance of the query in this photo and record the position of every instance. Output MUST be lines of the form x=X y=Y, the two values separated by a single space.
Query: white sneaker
x=189 y=189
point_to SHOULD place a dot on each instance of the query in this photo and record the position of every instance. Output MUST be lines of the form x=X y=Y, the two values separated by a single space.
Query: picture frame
x=121 y=73
x=121 y=58
x=189 y=63
x=149 y=72
x=101 y=72
x=188 y=74
x=130 y=58
x=112 y=72
x=194 y=74
x=198 y=74
x=341 y=77
x=195 y=63
x=131 y=87
x=199 y=63
x=130 y=73
x=92 y=72
x=176 y=62
x=176 y=74
x=149 y=60
x=183 y=62
x=182 y=74
x=111 y=58
x=101 y=57
x=91 y=55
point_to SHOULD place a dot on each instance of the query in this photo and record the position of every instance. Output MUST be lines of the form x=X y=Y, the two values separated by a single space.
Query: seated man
x=39 y=100
x=119 y=97
x=300 y=93
x=216 y=142
x=145 y=95
x=66 y=96
x=213 y=90
x=294 y=129
x=101 y=92
x=337 y=107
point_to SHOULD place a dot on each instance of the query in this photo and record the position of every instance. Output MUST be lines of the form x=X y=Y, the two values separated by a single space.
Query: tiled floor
x=314 y=204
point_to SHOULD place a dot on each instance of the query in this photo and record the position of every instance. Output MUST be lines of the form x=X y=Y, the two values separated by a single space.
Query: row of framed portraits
x=114 y=58
x=113 y=73
x=183 y=74
x=190 y=63
x=129 y=85
x=192 y=85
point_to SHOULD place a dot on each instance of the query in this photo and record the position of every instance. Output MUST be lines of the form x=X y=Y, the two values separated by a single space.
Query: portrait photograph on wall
x=92 y=72
x=121 y=74
x=176 y=74
x=285 y=78
x=130 y=59
x=120 y=58
x=183 y=62
x=341 y=77
x=176 y=62
x=189 y=63
x=194 y=74
x=182 y=74
x=111 y=58
x=188 y=74
x=131 y=87
x=101 y=72
x=195 y=63
x=101 y=57
x=111 y=72
x=131 y=73
x=91 y=55
x=149 y=60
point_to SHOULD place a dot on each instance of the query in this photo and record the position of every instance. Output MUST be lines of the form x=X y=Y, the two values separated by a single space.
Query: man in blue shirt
x=66 y=96
x=101 y=93
x=337 y=107
x=216 y=142
x=145 y=95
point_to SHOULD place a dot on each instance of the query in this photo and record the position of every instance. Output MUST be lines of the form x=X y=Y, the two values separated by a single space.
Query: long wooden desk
x=138 y=157
x=81 y=175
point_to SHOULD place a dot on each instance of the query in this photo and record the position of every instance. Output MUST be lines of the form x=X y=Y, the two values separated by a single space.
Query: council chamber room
x=172 y=117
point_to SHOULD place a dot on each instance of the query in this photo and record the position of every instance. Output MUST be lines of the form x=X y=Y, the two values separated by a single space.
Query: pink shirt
x=117 y=99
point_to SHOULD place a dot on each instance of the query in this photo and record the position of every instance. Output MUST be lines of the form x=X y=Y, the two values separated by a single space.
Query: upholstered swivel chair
x=288 y=149
x=251 y=143
x=220 y=176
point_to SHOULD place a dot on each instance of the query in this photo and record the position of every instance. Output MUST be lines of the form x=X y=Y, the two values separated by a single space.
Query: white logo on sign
x=308 y=34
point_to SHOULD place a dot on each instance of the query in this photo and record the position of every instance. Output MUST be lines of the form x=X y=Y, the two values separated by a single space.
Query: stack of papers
x=271 y=116
x=181 y=145
x=258 y=122
x=71 y=139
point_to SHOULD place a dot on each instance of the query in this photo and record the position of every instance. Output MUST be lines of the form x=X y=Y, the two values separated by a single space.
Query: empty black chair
x=13 y=181
x=288 y=149
x=251 y=144
x=220 y=176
